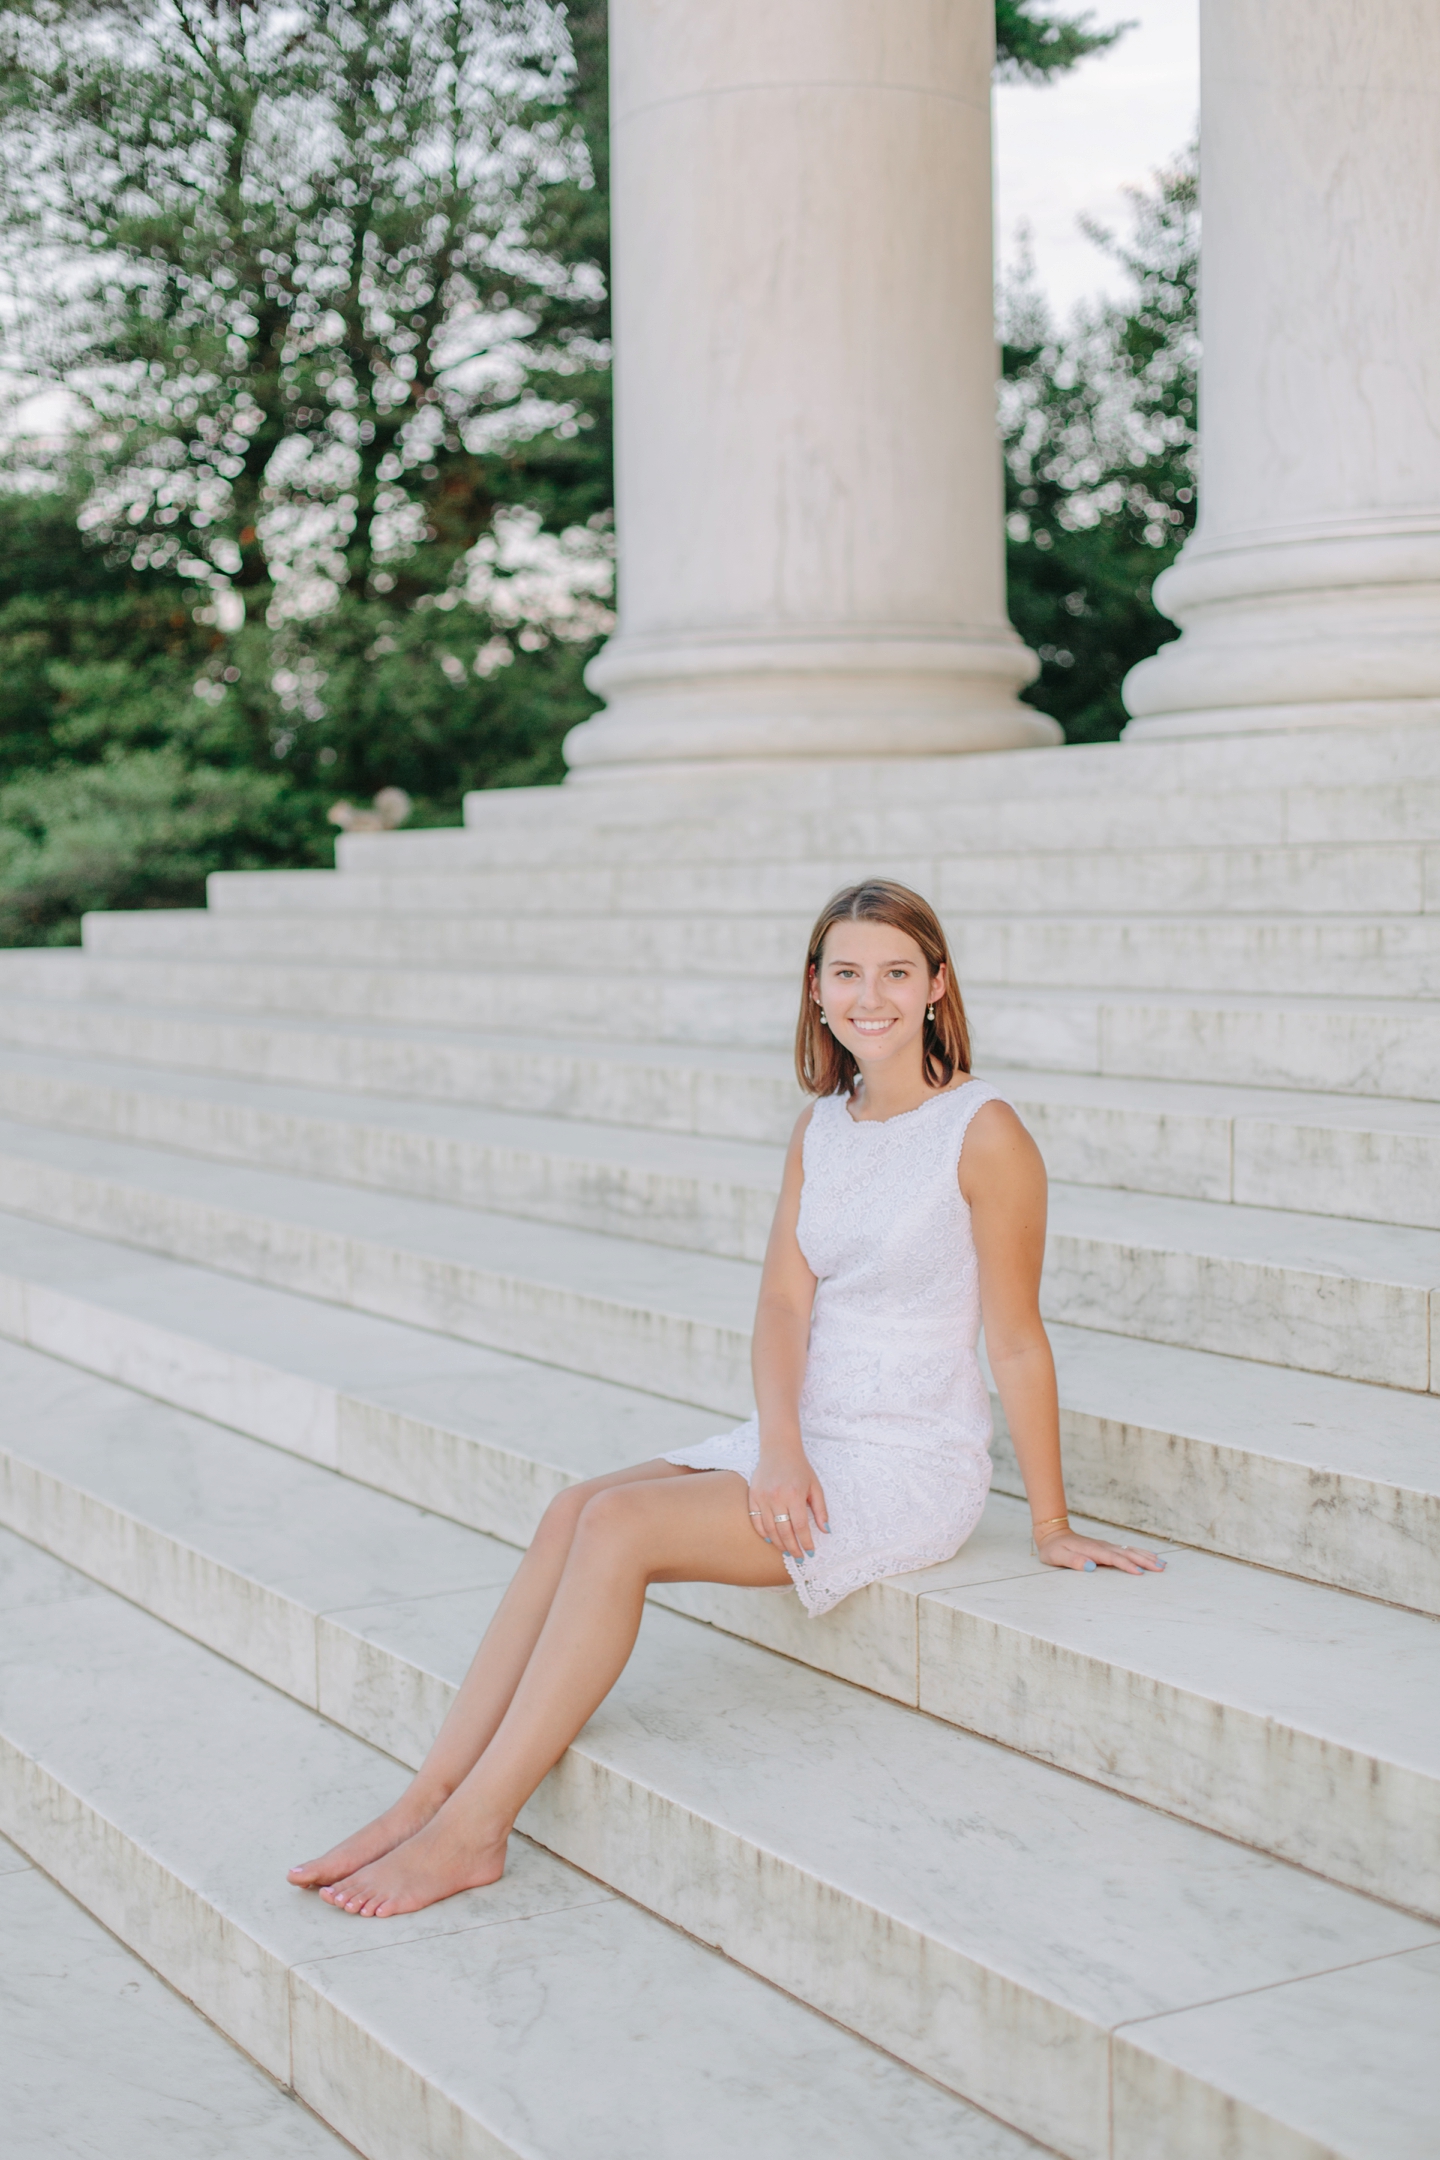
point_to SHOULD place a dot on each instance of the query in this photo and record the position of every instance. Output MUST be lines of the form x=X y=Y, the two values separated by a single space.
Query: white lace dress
x=894 y=1411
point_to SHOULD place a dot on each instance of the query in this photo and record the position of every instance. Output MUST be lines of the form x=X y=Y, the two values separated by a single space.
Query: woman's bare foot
x=441 y=1860
x=410 y=1813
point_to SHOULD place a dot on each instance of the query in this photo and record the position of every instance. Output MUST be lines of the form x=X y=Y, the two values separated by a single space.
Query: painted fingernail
x=826 y=1528
x=1089 y=1567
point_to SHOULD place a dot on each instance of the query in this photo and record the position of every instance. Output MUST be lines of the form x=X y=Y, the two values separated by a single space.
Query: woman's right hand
x=787 y=1505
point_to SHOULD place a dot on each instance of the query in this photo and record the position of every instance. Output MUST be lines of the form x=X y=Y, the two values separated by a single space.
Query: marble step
x=567 y=946
x=709 y=1195
x=1361 y=1046
x=168 y=1791
x=1371 y=878
x=1325 y=1155
x=505 y=1001
x=1300 y=1720
x=1349 y=1299
x=1269 y=955
x=1320 y=756
x=1377 y=2095
x=1325 y=1479
x=674 y=1322
x=1062 y=799
x=1090 y=775
x=1377 y=956
x=721 y=1093
x=97 y=2055
x=912 y=840
x=1002 y=1933
x=931 y=824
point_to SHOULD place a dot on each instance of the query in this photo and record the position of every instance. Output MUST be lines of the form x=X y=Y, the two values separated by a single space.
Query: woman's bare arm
x=784 y=1484
x=1002 y=1178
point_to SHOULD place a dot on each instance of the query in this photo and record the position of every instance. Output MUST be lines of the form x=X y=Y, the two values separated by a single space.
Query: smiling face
x=873 y=984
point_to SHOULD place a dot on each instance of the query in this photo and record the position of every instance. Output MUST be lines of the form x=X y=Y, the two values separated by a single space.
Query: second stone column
x=1309 y=596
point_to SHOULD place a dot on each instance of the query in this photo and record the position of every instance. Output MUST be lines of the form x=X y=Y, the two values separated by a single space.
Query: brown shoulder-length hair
x=824 y=1066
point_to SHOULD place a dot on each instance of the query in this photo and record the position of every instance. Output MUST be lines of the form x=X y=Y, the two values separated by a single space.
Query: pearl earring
x=930 y=1014
x=824 y=1017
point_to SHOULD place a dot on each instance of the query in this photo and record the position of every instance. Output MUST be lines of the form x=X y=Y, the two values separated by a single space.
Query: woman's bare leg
x=484 y=1694
x=691 y=1529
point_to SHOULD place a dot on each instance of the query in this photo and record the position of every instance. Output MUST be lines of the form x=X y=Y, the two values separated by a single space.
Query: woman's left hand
x=1066 y=1548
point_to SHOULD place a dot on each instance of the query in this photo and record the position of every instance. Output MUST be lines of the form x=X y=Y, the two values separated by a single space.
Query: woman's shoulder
x=968 y=1097
x=978 y=1117
x=994 y=1139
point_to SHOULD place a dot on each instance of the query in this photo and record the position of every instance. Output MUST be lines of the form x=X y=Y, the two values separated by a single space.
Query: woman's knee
x=558 y=1523
x=613 y=1514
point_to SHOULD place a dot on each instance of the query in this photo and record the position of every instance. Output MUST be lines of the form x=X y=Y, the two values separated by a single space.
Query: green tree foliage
x=321 y=285
x=326 y=286
x=564 y=472
x=138 y=829
x=311 y=231
x=1032 y=47
x=118 y=786
x=76 y=629
x=1100 y=443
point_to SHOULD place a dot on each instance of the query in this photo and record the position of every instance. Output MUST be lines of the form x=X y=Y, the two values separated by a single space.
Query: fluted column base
x=673 y=703
x=1336 y=629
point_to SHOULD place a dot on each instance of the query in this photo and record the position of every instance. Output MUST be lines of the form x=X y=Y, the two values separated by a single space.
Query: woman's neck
x=890 y=1089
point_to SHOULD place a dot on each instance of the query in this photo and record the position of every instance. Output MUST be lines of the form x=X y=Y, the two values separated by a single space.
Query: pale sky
x=1075 y=145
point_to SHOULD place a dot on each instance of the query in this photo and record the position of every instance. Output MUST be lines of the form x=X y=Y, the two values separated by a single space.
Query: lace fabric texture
x=894 y=1410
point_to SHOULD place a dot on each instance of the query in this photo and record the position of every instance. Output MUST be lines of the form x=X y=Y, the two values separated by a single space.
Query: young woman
x=913 y=1204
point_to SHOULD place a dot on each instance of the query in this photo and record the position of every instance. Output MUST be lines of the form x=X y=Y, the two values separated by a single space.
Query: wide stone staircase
x=349 y=1219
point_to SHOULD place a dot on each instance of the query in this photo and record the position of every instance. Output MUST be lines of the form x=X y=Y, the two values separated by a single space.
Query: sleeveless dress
x=894 y=1410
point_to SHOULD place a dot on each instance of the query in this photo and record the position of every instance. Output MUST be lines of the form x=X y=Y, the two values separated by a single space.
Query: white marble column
x=809 y=494
x=1310 y=593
